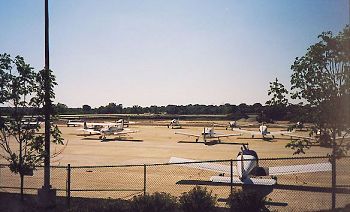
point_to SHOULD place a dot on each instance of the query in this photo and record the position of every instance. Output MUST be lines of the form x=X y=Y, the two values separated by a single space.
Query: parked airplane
x=93 y=125
x=31 y=124
x=74 y=123
x=299 y=125
x=262 y=131
x=232 y=124
x=125 y=122
x=247 y=169
x=174 y=124
x=208 y=133
x=106 y=129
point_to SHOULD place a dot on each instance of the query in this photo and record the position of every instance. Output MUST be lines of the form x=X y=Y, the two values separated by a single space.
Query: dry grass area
x=155 y=143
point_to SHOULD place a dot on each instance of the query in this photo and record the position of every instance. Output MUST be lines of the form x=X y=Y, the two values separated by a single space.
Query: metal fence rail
x=296 y=192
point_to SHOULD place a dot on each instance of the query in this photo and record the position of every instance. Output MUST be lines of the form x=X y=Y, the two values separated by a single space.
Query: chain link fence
x=293 y=192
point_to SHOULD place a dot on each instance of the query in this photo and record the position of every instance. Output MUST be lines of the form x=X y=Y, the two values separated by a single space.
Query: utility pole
x=47 y=195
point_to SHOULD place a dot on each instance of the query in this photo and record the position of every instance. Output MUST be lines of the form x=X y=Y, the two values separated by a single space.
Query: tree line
x=264 y=113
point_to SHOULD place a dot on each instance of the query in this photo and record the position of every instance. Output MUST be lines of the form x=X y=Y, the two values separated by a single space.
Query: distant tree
x=86 y=108
x=171 y=109
x=136 y=109
x=111 y=108
x=237 y=115
x=21 y=89
x=257 y=107
x=243 y=107
x=60 y=108
x=153 y=109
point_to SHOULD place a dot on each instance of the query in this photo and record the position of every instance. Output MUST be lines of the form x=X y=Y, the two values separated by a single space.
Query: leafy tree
x=60 y=108
x=277 y=105
x=321 y=80
x=278 y=93
x=257 y=107
x=86 y=108
x=22 y=91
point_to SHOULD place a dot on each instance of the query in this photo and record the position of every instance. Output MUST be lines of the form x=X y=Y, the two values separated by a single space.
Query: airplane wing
x=281 y=132
x=247 y=131
x=247 y=181
x=100 y=124
x=91 y=131
x=299 y=136
x=226 y=135
x=296 y=169
x=188 y=134
x=203 y=166
x=312 y=138
x=75 y=123
x=125 y=131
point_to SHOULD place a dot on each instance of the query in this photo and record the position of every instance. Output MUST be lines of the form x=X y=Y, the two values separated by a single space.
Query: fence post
x=68 y=185
x=144 y=179
x=334 y=178
x=231 y=180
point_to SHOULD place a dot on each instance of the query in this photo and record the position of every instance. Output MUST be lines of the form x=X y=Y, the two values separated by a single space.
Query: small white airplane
x=94 y=125
x=125 y=122
x=299 y=125
x=106 y=129
x=174 y=124
x=208 y=133
x=31 y=125
x=232 y=125
x=263 y=131
x=247 y=168
x=74 y=123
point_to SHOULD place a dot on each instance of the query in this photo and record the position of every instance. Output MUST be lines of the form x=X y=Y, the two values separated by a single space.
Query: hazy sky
x=159 y=52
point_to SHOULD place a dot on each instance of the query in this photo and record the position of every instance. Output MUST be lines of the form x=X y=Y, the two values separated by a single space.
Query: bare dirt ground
x=155 y=143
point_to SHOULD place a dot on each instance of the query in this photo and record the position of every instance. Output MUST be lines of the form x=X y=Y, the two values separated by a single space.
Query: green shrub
x=103 y=205
x=154 y=203
x=197 y=199
x=246 y=201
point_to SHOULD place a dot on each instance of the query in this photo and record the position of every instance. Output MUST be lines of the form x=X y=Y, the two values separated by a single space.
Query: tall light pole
x=47 y=101
x=47 y=195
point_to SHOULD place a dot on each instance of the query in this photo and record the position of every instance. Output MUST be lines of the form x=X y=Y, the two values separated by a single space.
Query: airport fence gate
x=293 y=192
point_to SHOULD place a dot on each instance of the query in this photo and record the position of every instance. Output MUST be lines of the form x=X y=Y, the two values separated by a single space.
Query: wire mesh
x=107 y=182
x=293 y=192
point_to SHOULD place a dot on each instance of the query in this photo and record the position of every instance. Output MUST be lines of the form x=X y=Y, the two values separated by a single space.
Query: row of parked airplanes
x=120 y=127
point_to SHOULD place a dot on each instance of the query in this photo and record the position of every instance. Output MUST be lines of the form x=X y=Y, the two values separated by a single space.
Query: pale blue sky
x=159 y=52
